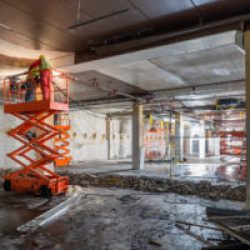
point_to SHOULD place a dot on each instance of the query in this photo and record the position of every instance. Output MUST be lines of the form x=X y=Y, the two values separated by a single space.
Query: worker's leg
x=45 y=83
x=12 y=95
x=29 y=96
x=46 y=92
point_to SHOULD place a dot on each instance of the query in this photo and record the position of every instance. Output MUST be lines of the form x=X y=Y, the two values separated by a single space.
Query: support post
x=179 y=130
x=202 y=142
x=247 y=61
x=108 y=137
x=137 y=137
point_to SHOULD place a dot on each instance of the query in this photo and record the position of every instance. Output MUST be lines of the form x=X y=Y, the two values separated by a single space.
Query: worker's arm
x=35 y=64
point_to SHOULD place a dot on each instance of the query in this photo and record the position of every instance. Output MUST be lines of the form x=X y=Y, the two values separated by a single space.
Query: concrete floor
x=118 y=219
x=17 y=209
x=115 y=219
x=196 y=170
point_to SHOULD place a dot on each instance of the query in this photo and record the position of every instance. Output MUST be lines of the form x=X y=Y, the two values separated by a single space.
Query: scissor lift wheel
x=7 y=185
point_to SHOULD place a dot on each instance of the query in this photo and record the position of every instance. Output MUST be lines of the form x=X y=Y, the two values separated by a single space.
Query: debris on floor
x=204 y=188
x=235 y=224
x=113 y=218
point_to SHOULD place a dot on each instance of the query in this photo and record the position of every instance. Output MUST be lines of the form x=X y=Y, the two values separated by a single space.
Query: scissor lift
x=36 y=134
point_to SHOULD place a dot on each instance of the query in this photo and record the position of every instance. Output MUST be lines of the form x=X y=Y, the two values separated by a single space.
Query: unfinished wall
x=88 y=136
x=89 y=139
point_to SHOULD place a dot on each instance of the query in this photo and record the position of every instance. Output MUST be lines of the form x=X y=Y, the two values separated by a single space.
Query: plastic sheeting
x=89 y=140
x=88 y=136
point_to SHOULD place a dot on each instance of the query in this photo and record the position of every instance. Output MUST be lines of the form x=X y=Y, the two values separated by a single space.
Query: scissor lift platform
x=35 y=106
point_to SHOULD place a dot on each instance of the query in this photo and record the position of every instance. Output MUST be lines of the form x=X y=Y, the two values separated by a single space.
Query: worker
x=14 y=87
x=41 y=69
x=29 y=87
x=45 y=77
x=22 y=92
x=33 y=79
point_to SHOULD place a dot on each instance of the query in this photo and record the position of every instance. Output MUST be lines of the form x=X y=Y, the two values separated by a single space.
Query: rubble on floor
x=204 y=189
x=232 y=222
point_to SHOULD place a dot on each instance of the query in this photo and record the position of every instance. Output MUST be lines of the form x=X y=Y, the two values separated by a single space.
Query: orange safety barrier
x=35 y=133
x=232 y=142
x=238 y=134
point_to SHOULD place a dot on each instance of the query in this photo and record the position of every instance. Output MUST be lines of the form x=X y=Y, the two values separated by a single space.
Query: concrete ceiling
x=113 y=83
x=43 y=25
x=93 y=85
x=224 y=63
x=207 y=60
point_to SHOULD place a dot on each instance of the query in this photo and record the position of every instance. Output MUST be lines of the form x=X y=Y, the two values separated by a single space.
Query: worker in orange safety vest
x=42 y=69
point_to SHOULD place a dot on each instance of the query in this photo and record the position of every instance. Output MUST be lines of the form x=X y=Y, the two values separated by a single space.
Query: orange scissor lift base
x=29 y=181
x=35 y=153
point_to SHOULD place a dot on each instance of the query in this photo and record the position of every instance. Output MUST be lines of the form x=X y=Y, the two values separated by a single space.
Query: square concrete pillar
x=179 y=137
x=202 y=141
x=108 y=137
x=138 y=151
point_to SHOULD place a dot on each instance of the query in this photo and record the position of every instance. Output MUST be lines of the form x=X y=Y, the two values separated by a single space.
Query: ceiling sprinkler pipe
x=200 y=89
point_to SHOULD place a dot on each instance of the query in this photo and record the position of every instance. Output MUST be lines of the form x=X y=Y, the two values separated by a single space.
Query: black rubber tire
x=44 y=191
x=7 y=185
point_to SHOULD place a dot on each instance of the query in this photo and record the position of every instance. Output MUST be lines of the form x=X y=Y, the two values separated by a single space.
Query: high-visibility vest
x=44 y=65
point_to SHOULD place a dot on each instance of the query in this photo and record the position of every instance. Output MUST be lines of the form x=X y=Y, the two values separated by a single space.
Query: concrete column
x=137 y=137
x=247 y=60
x=179 y=137
x=108 y=137
x=202 y=141
x=187 y=134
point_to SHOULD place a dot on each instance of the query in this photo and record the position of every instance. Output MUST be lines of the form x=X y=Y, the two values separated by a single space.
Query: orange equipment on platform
x=61 y=141
x=36 y=133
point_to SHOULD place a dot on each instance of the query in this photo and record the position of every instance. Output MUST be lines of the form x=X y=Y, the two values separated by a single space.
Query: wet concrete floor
x=214 y=171
x=117 y=219
x=17 y=209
